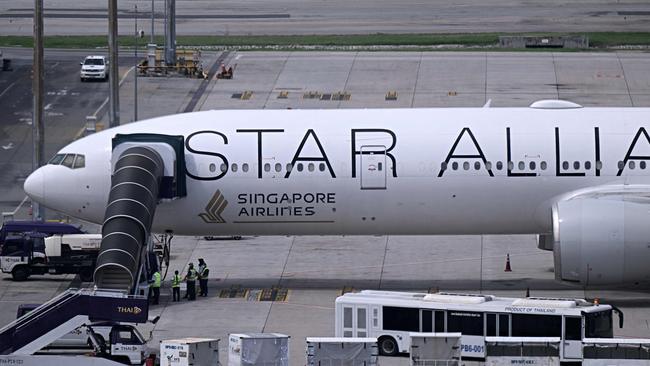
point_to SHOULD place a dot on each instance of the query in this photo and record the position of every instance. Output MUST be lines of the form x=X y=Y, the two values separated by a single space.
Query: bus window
x=524 y=325
x=573 y=328
x=375 y=317
x=395 y=318
x=361 y=322
x=599 y=325
x=491 y=325
x=440 y=321
x=347 y=322
x=504 y=325
x=465 y=322
x=427 y=321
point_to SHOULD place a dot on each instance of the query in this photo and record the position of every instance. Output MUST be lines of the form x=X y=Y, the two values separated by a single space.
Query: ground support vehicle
x=35 y=254
x=391 y=316
x=35 y=331
x=94 y=67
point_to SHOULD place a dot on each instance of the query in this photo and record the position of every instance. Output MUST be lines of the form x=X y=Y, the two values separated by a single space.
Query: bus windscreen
x=599 y=325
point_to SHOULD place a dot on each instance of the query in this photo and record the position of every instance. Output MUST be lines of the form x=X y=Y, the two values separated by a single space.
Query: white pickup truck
x=94 y=67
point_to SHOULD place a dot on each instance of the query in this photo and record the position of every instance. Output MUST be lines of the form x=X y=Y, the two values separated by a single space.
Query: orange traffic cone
x=508 y=268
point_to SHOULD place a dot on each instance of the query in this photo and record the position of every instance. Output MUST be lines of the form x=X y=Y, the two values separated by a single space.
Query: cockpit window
x=72 y=161
x=56 y=159
x=79 y=162
x=68 y=160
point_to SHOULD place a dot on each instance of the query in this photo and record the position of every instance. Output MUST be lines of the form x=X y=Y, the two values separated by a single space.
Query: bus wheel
x=20 y=273
x=387 y=346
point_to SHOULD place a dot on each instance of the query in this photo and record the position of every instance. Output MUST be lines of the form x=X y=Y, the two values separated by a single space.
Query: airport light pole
x=113 y=74
x=38 y=129
x=135 y=68
x=152 y=23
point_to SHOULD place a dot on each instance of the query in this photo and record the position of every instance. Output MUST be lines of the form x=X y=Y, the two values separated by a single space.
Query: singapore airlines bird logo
x=213 y=210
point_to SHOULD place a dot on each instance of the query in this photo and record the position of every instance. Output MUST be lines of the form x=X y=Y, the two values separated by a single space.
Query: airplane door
x=373 y=167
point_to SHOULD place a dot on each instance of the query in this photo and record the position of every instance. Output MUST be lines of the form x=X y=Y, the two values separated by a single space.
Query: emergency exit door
x=373 y=167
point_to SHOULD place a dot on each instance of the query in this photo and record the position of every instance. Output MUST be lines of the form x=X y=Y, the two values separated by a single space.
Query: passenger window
x=511 y=165
x=599 y=165
x=278 y=167
x=321 y=167
x=68 y=160
x=267 y=167
x=499 y=165
x=491 y=325
x=439 y=321
x=212 y=167
x=527 y=325
x=244 y=167
x=565 y=165
x=443 y=166
x=233 y=167
x=466 y=165
x=632 y=165
x=477 y=165
x=347 y=317
x=576 y=165
x=532 y=165
x=642 y=164
x=289 y=167
x=311 y=167
x=406 y=319
x=587 y=165
x=56 y=159
x=488 y=165
x=521 y=165
x=300 y=167
x=224 y=168
x=504 y=325
x=79 y=162
x=620 y=165
x=465 y=322
x=427 y=321
x=542 y=165
x=454 y=165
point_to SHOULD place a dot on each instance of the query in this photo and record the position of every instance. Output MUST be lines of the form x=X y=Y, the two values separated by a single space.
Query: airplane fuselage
x=382 y=171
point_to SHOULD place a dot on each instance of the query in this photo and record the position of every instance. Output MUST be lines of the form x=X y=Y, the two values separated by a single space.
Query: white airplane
x=580 y=177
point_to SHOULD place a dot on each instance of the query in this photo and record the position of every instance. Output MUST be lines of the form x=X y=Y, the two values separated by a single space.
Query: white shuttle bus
x=391 y=316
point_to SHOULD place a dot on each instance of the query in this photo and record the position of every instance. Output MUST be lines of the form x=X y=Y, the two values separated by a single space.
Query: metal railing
x=10 y=215
x=427 y=362
x=35 y=313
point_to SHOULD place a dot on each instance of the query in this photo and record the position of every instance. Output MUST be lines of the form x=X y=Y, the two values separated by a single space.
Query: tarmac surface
x=315 y=269
x=257 y=17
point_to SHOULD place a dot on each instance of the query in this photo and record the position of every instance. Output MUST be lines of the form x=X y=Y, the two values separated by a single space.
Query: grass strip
x=597 y=40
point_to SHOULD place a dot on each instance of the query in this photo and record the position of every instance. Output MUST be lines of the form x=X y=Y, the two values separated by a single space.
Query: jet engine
x=601 y=241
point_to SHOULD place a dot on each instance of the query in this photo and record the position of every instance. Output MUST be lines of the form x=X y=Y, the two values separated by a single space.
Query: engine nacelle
x=598 y=241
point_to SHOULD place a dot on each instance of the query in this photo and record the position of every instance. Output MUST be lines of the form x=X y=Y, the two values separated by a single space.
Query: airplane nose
x=34 y=185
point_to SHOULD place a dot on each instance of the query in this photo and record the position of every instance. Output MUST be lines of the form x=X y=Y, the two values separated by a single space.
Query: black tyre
x=20 y=273
x=86 y=275
x=387 y=346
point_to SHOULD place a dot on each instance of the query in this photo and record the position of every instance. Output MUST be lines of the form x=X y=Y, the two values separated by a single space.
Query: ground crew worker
x=176 y=287
x=190 y=279
x=155 y=287
x=203 y=278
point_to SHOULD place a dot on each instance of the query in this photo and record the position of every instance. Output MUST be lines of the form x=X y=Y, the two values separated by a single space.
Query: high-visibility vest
x=156 y=280
x=203 y=272
x=176 y=281
x=191 y=275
